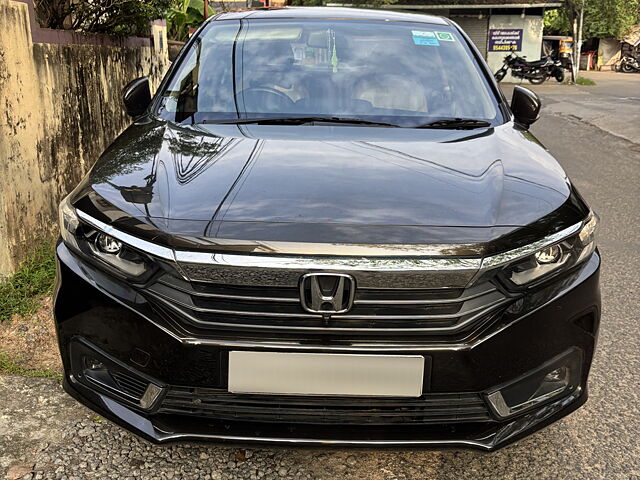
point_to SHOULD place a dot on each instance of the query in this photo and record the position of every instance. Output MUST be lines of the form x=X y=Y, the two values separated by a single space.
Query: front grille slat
x=189 y=304
x=129 y=384
x=444 y=300
x=427 y=409
x=377 y=311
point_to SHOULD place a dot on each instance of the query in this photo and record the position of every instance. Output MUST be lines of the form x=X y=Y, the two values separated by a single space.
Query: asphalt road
x=51 y=436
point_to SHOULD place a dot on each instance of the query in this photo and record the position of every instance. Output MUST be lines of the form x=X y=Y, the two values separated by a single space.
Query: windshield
x=398 y=73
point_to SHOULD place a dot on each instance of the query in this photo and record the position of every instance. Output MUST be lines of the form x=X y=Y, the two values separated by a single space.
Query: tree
x=119 y=17
x=602 y=18
x=592 y=19
x=182 y=15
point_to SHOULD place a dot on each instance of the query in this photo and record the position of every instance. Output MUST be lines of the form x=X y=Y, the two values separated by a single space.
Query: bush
x=585 y=81
x=19 y=294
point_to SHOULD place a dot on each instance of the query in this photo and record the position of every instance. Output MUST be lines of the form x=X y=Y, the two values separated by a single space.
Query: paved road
x=612 y=105
x=50 y=434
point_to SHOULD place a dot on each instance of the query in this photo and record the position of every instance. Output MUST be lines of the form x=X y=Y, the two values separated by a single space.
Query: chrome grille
x=375 y=310
x=427 y=409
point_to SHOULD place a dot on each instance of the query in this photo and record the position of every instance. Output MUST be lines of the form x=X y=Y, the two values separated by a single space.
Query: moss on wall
x=59 y=108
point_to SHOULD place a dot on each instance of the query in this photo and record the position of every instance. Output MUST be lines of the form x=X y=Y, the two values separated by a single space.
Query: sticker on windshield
x=424 y=38
x=445 y=37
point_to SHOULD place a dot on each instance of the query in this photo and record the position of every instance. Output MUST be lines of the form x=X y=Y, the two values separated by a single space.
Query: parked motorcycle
x=536 y=72
x=630 y=63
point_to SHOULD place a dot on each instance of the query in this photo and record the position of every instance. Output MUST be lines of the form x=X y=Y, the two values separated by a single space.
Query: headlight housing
x=99 y=245
x=555 y=257
x=69 y=222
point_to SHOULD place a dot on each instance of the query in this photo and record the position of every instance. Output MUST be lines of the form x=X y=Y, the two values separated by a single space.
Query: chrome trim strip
x=372 y=264
x=350 y=347
x=249 y=247
x=402 y=260
x=148 y=247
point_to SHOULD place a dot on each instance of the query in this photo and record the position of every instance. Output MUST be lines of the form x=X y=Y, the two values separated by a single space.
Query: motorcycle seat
x=538 y=63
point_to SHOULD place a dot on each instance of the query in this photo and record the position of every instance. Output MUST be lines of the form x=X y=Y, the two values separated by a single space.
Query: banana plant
x=182 y=15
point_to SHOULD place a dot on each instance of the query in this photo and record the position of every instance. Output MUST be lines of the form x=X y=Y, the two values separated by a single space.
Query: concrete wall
x=59 y=108
x=531 y=26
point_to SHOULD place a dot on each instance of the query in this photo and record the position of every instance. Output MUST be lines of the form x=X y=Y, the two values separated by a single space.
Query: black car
x=328 y=227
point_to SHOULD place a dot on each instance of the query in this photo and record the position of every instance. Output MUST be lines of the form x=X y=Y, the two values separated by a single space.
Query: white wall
x=531 y=26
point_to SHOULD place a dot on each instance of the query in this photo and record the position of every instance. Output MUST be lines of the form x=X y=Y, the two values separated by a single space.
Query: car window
x=399 y=72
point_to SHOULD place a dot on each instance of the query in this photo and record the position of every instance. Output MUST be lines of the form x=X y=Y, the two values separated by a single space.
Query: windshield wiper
x=456 y=124
x=300 y=121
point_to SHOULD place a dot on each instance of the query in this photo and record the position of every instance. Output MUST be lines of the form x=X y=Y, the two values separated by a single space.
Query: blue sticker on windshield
x=424 y=38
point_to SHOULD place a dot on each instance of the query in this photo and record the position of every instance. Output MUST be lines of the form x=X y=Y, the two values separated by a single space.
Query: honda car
x=328 y=227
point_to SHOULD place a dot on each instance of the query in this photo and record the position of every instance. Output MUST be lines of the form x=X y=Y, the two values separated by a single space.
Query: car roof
x=332 y=13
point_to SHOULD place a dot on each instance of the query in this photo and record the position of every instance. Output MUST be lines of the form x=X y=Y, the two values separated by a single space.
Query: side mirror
x=525 y=106
x=136 y=96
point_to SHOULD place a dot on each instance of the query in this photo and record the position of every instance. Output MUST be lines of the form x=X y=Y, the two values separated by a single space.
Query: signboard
x=505 y=39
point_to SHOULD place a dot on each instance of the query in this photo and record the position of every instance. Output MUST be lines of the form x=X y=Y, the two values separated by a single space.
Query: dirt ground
x=30 y=343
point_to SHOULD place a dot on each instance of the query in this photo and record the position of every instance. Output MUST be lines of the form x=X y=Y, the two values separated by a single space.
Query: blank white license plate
x=325 y=374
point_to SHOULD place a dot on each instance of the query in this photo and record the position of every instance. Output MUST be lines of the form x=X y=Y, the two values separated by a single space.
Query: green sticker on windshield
x=445 y=37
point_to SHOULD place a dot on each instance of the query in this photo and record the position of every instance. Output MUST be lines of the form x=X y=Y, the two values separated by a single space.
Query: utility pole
x=578 y=21
x=206 y=9
x=580 y=33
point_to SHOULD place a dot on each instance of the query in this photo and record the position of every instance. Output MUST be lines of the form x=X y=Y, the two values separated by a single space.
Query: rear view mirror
x=136 y=96
x=525 y=105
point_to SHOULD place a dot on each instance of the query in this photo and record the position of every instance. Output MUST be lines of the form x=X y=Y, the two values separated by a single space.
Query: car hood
x=329 y=183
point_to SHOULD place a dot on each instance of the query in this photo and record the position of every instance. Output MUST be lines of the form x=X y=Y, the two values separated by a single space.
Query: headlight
x=556 y=257
x=96 y=244
x=112 y=251
x=69 y=222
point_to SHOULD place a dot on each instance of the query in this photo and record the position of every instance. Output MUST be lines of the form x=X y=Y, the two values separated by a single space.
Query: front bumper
x=101 y=313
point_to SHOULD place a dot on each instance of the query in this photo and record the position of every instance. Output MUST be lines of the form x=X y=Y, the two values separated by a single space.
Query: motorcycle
x=536 y=72
x=630 y=63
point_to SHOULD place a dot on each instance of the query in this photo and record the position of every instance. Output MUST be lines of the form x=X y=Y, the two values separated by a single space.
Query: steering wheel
x=266 y=99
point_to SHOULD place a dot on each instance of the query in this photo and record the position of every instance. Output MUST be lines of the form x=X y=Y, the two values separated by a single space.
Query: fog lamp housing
x=102 y=373
x=555 y=379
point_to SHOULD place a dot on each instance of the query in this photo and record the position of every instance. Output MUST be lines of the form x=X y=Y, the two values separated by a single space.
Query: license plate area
x=278 y=373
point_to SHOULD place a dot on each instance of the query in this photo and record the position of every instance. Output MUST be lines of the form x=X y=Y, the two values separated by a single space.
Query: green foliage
x=182 y=15
x=306 y=3
x=610 y=18
x=118 y=17
x=556 y=22
x=602 y=18
x=10 y=366
x=19 y=294
x=585 y=81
